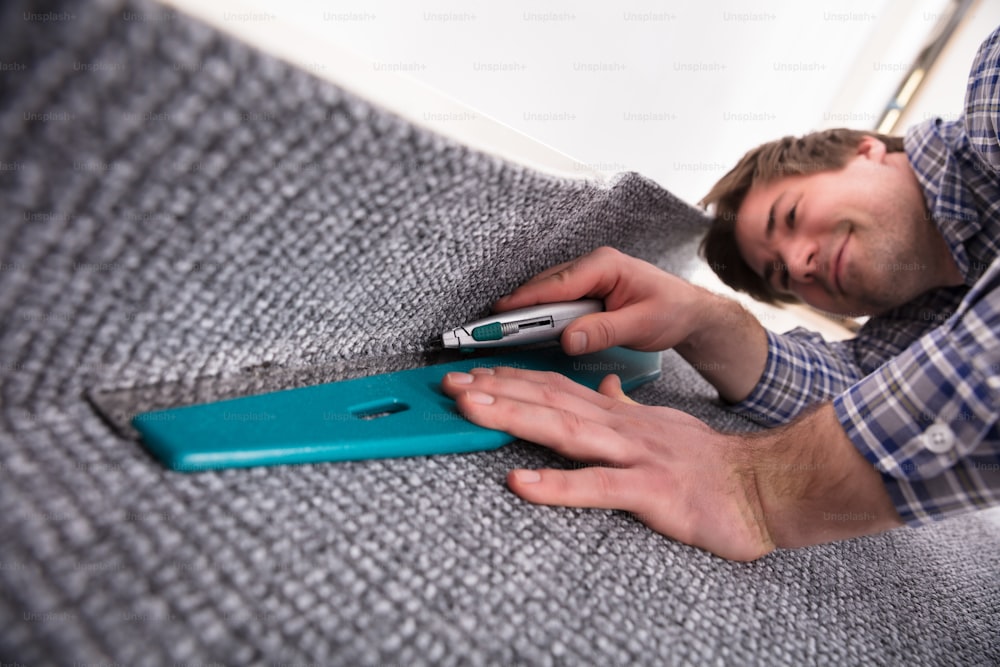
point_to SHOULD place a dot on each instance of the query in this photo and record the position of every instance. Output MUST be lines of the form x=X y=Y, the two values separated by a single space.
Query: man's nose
x=802 y=258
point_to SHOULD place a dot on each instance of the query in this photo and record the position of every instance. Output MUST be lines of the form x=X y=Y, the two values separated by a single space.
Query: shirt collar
x=942 y=160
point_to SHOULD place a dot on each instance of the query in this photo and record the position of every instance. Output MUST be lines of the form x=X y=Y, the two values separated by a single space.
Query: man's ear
x=872 y=148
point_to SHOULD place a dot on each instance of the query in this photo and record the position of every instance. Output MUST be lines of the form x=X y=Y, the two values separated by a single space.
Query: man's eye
x=791 y=217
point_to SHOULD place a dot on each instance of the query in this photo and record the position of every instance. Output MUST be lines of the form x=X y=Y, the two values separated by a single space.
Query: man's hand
x=649 y=309
x=646 y=308
x=738 y=496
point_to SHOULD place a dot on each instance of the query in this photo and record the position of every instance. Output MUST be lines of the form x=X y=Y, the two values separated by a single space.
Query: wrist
x=726 y=344
x=704 y=311
x=814 y=486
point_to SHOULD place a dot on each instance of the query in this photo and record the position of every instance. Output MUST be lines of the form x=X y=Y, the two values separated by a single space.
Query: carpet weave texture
x=178 y=206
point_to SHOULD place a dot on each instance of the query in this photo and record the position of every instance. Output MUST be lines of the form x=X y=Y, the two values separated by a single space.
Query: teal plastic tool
x=395 y=414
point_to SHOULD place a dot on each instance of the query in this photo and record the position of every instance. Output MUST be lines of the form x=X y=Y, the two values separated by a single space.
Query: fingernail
x=483 y=371
x=460 y=378
x=481 y=398
x=527 y=476
x=578 y=342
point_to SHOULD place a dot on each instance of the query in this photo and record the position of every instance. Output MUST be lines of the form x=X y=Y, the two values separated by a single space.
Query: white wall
x=943 y=92
x=677 y=90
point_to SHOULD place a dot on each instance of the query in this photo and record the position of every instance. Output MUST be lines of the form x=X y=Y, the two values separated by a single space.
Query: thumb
x=599 y=331
x=611 y=386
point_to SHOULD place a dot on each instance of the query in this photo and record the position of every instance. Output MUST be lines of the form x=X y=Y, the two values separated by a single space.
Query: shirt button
x=939 y=438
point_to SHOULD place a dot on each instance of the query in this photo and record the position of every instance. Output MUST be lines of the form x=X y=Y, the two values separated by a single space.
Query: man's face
x=856 y=241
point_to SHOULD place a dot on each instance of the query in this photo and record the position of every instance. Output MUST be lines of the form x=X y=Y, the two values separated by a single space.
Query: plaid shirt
x=918 y=389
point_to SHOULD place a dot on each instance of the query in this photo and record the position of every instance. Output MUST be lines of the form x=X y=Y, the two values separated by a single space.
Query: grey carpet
x=178 y=206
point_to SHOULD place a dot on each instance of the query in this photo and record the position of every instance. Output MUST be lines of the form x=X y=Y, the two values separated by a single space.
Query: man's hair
x=820 y=151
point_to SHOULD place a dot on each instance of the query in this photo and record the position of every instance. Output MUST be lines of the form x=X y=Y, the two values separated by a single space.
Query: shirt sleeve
x=801 y=369
x=927 y=419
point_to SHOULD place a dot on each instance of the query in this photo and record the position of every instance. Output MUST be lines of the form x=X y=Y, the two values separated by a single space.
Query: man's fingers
x=593 y=275
x=544 y=387
x=593 y=333
x=600 y=487
x=553 y=270
x=630 y=326
x=611 y=386
x=563 y=431
x=595 y=487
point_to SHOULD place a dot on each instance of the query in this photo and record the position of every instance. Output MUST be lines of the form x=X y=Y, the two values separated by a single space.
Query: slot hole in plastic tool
x=378 y=409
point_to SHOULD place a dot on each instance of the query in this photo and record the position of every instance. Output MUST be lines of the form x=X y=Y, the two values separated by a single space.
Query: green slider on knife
x=395 y=414
x=486 y=332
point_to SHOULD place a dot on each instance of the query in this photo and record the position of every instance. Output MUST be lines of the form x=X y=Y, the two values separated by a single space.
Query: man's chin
x=845 y=311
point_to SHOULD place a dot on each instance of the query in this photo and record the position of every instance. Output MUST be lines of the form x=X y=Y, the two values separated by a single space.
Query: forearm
x=813 y=484
x=727 y=345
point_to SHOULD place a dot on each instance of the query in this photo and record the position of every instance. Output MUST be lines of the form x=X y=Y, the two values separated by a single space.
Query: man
x=850 y=222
